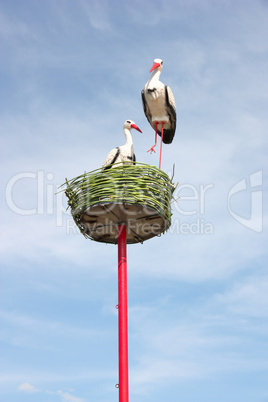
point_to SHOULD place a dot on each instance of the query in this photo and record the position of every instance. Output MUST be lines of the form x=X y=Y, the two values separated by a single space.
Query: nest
x=138 y=196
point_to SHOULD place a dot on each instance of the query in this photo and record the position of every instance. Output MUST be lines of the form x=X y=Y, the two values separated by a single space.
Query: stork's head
x=158 y=64
x=129 y=124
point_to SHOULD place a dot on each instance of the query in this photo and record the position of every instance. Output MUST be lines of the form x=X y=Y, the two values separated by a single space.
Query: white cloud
x=248 y=298
x=11 y=27
x=26 y=331
x=201 y=340
x=97 y=13
x=152 y=370
x=28 y=388
x=66 y=397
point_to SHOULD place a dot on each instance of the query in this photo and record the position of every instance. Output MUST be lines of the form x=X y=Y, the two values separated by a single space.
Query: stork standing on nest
x=124 y=153
x=159 y=107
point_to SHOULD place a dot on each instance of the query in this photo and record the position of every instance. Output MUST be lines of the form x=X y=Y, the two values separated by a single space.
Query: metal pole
x=123 y=316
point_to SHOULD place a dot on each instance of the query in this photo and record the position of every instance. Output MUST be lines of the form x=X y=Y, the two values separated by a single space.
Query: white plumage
x=124 y=153
x=159 y=105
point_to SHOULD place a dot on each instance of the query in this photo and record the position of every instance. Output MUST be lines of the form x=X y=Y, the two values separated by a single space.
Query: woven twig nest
x=137 y=195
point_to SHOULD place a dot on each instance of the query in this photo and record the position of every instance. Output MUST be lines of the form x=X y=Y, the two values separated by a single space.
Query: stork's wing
x=145 y=107
x=110 y=158
x=171 y=110
x=170 y=99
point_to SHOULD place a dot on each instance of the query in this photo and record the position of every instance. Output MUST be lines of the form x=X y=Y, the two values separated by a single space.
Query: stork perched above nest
x=159 y=107
x=124 y=153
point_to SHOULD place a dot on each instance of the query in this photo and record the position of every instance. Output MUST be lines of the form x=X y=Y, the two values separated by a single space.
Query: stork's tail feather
x=168 y=136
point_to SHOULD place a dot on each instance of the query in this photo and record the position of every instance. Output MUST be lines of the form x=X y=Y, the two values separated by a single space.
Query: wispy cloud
x=198 y=343
x=64 y=396
x=28 y=388
x=11 y=27
x=28 y=332
x=67 y=397
x=97 y=13
x=247 y=298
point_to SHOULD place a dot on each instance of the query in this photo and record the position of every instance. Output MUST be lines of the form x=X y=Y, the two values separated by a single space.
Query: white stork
x=159 y=107
x=124 y=153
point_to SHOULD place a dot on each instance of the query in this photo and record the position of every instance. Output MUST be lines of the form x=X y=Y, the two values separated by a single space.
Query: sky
x=71 y=74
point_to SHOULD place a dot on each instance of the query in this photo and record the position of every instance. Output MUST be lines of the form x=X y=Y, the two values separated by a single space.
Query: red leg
x=161 y=144
x=152 y=149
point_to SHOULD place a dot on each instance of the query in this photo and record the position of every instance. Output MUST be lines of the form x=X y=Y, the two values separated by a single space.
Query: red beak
x=136 y=127
x=154 y=66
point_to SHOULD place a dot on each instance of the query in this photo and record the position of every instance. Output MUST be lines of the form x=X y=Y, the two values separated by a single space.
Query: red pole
x=122 y=311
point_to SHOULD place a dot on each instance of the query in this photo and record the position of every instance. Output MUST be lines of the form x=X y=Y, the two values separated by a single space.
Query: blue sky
x=71 y=74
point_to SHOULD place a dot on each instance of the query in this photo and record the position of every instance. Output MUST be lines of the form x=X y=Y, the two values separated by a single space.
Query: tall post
x=123 y=316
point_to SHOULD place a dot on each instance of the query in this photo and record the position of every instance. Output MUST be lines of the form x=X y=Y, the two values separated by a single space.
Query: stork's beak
x=136 y=127
x=154 y=67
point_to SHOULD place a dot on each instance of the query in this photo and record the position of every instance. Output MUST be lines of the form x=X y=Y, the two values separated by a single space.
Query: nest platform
x=137 y=196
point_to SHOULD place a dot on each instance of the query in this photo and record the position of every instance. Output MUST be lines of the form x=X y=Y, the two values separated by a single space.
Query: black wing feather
x=169 y=134
x=145 y=107
x=113 y=161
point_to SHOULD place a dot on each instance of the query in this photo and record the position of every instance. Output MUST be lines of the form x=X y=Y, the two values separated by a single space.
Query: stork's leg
x=162 y=132
x=152 y=149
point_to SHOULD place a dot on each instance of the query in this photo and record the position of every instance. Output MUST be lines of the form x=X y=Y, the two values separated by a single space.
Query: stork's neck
x=154 y=78
x=128 y=135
